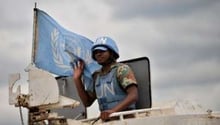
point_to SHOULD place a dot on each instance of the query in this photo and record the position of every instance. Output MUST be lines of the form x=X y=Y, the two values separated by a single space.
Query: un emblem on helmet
x=102 y=40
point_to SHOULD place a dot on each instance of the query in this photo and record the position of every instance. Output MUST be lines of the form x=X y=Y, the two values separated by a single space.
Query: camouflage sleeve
x=125 y=76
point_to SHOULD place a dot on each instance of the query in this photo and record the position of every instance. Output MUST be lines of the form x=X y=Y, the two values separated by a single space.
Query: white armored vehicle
x=55 y=101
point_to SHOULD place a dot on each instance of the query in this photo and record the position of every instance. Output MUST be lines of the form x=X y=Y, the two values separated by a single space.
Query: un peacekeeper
x=115 y=86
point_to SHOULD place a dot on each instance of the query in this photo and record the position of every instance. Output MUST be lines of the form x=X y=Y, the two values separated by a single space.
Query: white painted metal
x=62 y=103
x=43 y=88
x=173 y=115
x=13 y=95
x=199 y=119
x=184 y=119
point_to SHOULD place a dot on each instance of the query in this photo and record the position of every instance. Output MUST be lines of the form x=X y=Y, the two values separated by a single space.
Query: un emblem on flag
x=58 y=46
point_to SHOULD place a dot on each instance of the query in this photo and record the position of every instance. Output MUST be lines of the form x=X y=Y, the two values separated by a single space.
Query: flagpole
x=35 y=34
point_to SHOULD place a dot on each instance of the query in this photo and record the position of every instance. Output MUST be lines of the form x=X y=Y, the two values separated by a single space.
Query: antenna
x=35 y=5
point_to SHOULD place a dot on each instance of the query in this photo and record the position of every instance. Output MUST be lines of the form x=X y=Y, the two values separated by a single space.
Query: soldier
x=115 y=86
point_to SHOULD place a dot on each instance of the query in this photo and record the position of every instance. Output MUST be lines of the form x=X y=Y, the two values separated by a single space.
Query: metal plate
x=67 y=88
x=141 y=69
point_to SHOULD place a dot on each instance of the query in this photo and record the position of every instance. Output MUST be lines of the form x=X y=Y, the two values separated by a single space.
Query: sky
x=181 y=39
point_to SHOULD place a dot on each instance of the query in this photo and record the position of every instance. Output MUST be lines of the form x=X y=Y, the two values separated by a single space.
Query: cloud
x=13 y=15
x=16 y=37
x=128 y=9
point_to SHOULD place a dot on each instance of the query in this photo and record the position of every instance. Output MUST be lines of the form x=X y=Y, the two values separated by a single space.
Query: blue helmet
x=105 y=42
